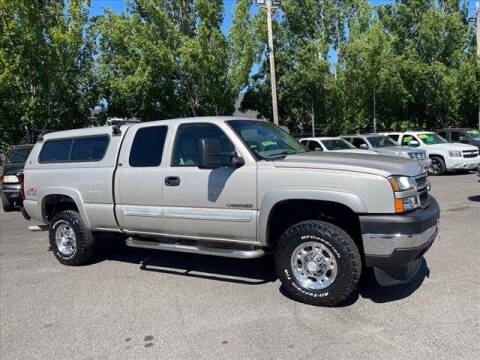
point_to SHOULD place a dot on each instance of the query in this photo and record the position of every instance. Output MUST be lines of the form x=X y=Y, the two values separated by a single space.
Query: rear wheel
x=7 y=204
x=71 y=242
x=438 y=166
x=318 y=263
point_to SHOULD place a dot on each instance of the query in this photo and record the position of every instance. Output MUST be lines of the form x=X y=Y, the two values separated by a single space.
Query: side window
x=313 y=145
x=394 y=137
x=89 y=148
x=304 y=142
x=455 y=136
x=407 y=138
x=443 y=134
x=185 y=151
x=359 y=141
x=147 y=146
x=56 y=151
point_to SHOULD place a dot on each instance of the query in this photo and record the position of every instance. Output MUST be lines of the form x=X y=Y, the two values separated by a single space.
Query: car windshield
x=474 y=134
x=337 y=144
x=265 y=139
x=432 y=139
x=18 y=155
x=382 y=141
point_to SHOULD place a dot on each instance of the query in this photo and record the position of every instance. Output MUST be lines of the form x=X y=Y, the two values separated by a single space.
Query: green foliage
x=46 y=60
x=169 y=58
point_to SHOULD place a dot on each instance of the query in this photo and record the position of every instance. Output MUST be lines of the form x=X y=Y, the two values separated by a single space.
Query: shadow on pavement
x=474 y=198
x=248 y=272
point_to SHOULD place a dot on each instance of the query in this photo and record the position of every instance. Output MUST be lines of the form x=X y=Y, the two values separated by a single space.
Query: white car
x=445 y=156
x=332 y=144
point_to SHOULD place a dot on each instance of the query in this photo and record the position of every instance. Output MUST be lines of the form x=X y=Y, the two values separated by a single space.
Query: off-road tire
x=347 y=256
x=437 y=163
x=7 y=205
x=85 y=241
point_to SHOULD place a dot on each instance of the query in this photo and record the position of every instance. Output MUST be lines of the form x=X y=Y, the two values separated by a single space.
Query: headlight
x=9 y=179
x=455 y=153
x=406 y=204
x=402 y=183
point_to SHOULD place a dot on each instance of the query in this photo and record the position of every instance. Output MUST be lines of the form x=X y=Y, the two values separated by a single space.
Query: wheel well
x=54 y=203
x=288 y=213
x=439 y=156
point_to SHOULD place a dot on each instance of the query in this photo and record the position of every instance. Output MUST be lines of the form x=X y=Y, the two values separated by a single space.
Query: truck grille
x=417 y=155
x=470 y=153
x=422 y=187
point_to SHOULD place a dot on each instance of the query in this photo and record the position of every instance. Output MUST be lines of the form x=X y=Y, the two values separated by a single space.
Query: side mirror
x=363 y=147
x=413 y=143
x=210 y=155
x=318 y=149
x=462 y=139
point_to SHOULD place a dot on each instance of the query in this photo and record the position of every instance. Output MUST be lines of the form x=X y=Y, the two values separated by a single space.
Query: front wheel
x=71 y=242
x=7 y=204
x=438 y=166
x=318 y=263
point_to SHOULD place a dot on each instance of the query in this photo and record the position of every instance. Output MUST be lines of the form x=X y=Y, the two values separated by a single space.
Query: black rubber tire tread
x=349 y=263
x=443 y=169
x=7 y=205
x=85 y=241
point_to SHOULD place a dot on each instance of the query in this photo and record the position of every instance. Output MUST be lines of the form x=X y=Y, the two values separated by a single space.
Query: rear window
x=147 y=147
x=90 y=148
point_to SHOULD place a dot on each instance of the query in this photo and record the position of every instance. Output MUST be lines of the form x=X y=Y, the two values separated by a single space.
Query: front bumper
x=394 y=244
x=462 y=163
x=11 y=191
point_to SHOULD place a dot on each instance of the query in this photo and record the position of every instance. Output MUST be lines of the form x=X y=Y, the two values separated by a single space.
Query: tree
x=46 y=58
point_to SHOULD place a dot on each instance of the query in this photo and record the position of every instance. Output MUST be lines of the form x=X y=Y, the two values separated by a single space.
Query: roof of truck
x=99 y=130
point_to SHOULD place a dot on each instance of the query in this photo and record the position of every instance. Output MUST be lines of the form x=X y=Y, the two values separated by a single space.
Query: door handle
x=172 y=181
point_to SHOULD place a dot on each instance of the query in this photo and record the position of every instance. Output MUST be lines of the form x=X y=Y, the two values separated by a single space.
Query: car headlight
x=455 y=153
x=10 y=179
x=402 y=183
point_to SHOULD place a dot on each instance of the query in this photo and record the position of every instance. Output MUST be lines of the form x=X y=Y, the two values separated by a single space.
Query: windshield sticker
x=269 y=143
x=473 y=132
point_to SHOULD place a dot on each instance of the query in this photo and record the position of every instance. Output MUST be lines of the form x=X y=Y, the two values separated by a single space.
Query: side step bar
x=195 y=249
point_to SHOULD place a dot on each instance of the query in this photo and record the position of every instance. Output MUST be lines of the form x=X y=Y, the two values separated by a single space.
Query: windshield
x=474 y=134
x=265 y=139
x=337 y=144
x=18 y=155
x=382 y=141
x=432 y=139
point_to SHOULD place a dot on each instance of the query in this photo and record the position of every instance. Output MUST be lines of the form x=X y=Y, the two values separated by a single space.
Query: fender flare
x=72 y=193
x=272 y=198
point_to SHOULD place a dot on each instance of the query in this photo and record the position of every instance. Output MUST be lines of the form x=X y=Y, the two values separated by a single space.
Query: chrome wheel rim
x=65 y=239
x=435 y=167
x=314 y=265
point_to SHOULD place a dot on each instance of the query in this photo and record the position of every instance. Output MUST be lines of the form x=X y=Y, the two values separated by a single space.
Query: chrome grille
x=470 y=153
x=422 y=188
x=417 y=155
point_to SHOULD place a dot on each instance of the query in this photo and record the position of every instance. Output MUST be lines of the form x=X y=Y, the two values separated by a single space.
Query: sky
x=119 y=5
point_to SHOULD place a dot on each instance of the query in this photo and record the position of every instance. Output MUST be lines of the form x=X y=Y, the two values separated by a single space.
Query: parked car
x=445 y=156
x=12 y=165
x=332 y=144
x=384 y=145
x=238 y=188
x=461 y=135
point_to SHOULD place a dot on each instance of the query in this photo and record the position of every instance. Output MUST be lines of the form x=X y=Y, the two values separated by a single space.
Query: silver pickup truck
x=237 y=188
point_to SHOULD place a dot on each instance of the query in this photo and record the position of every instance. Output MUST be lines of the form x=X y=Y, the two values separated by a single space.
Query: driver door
x=218 y=204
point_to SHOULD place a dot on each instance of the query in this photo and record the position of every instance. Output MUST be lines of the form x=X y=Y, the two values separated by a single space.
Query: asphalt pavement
x=136 y=304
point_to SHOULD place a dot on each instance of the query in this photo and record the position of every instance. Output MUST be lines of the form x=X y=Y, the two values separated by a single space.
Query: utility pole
x=269 y=4
x=374 y=110
x=476 y=20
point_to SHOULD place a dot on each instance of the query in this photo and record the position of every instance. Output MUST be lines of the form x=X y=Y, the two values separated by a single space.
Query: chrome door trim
x=209 y=214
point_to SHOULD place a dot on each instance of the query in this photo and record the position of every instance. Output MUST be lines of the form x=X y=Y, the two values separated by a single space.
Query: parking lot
x=132 y=303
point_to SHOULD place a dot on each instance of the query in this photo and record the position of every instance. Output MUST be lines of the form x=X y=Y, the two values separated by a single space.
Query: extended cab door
x=139 y=179
x=217 y=204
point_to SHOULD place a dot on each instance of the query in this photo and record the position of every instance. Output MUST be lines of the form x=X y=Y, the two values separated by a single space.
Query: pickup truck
x=239 y=188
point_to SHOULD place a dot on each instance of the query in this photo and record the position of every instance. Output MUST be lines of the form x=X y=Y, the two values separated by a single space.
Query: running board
x=195 y=249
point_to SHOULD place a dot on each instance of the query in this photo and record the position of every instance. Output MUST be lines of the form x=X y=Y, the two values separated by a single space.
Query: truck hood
x=372 y=164
x=395 y=150
x=355 y=151
x=12 y=168
x=451 y=146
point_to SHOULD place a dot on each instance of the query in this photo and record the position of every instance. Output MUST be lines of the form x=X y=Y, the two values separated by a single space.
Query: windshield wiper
x=283 y=153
